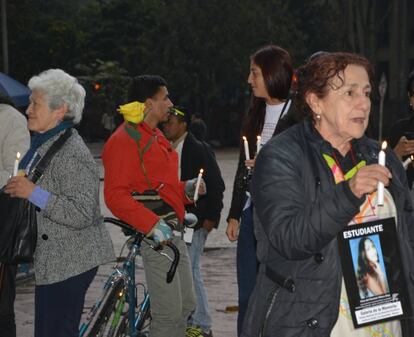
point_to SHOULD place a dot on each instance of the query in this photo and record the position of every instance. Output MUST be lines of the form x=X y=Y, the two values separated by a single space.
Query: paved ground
x=218 y=265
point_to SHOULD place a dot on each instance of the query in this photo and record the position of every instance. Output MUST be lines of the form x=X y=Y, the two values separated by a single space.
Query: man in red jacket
x=148 y=162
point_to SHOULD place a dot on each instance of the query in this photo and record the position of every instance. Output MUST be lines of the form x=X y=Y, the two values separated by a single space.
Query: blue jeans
x=247 y=264
x=201 y=316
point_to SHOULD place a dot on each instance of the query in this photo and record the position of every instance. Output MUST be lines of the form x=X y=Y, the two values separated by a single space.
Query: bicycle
x=117 y=307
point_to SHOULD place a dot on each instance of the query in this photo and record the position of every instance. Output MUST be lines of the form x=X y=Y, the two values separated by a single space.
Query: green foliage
x=202 y=48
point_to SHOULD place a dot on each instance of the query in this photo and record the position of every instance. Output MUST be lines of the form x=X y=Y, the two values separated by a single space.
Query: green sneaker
x=195 y=331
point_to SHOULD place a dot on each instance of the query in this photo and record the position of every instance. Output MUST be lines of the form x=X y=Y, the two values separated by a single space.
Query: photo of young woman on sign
x=369 y=266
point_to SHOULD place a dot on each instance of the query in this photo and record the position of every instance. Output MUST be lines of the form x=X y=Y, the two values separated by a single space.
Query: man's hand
x=208 y=225
x=19 y=187
x=161 y=232
x=232 y=230
x=404 y=147
x=365 y=181
x=190 y=187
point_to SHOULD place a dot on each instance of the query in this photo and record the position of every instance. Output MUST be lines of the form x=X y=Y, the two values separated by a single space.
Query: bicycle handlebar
x=141 y=237
x=174 y=263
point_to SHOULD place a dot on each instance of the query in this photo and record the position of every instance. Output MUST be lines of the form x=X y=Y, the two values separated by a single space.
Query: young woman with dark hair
x=270 y=80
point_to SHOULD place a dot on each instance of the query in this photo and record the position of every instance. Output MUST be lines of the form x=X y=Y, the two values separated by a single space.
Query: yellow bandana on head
x=132 y=112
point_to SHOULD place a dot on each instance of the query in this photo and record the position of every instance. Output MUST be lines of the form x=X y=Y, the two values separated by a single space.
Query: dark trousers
x=7 y=296
x=58 y=306
x=247 y=264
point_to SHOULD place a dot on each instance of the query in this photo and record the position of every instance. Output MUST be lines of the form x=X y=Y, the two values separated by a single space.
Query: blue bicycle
x=117 y=312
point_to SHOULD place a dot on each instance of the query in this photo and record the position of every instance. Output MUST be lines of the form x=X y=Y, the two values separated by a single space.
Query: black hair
x=199 y=129
x=276 y=66
x=145 y=86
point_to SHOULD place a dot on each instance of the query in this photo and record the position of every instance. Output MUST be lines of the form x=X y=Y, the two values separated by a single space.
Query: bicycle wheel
x=142 y=325
x=109 y=310
x=123 y=327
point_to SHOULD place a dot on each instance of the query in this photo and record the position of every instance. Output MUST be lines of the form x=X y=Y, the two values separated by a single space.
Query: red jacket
x=124 y=175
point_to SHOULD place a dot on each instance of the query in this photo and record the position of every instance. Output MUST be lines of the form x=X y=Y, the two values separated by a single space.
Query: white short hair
x=59 y=88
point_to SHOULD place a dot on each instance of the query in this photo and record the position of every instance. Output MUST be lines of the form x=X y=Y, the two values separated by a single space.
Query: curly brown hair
x=317 y=76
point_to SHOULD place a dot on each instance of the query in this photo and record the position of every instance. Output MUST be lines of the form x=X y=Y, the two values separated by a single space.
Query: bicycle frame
x=133 y=318
x=126 y=275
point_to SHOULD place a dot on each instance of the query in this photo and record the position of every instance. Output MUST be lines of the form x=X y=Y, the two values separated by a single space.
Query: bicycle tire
x=123 y=329
x=107 y=309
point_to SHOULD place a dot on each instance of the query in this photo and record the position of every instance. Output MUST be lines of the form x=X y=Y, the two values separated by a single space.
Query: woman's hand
x=404 y=147
x=249 y=163
x=232 y=230
x=365 y=181
x=19 y=187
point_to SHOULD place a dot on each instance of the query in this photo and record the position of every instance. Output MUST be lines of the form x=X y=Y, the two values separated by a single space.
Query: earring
x=318 y=116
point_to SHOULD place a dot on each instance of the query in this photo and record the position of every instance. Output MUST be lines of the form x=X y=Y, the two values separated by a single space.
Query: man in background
x=195 y=155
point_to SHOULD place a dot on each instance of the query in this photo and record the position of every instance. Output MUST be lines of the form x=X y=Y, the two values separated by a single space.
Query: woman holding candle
x=72 y=240
x=309 y=184
x=270 y=80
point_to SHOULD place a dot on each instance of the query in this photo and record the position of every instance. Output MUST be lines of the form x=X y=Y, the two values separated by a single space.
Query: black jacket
x=196 y=155
x=300 y=210
x=240 y=184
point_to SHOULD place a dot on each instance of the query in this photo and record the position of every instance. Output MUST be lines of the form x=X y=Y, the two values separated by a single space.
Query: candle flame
x=244 y=138
x=384 y=145
x=201 y=171
x=18 y=155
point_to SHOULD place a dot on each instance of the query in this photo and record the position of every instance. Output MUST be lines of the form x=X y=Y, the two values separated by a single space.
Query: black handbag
x=18 y=223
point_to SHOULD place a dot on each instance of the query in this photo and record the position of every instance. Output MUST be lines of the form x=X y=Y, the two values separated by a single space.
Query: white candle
x=200 y=175
x=246 y=148
x=258 y=144
x=381 y=161
x=407 y=162
x=16 y=164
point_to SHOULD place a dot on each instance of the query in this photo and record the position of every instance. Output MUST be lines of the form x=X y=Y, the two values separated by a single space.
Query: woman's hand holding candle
x=365 y=181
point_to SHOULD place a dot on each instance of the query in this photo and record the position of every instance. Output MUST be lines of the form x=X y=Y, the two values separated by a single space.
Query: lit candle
x=200 y=175
x=381 y=161
x=246 y=148
x=408 y=161
x=16 y=164
x=258 y=144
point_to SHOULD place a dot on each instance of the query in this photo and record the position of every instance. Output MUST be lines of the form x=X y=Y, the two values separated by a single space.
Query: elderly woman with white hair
x=72 y=240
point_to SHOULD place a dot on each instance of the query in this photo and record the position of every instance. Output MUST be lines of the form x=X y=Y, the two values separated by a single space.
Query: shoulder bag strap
x=44 y=162
x=131 y=130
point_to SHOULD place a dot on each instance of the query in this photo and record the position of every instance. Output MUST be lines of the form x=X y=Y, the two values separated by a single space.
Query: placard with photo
x=374 y=279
